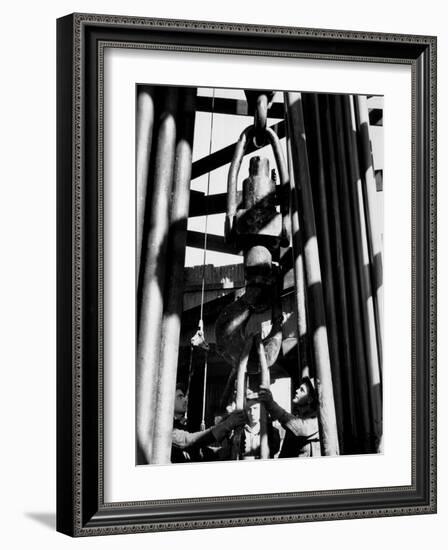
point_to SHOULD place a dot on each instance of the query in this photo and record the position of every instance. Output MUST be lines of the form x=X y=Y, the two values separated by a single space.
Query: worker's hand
x=236 y=419
x=265 y=396
x=273 y=408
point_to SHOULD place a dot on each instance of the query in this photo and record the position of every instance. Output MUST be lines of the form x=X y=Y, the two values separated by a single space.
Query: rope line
x=204 y=258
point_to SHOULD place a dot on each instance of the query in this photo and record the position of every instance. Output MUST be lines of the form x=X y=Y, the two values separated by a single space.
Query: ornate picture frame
x=81 y=507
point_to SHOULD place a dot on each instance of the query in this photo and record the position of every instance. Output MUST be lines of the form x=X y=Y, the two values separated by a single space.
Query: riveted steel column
x=153 y=273
x=169 y=352
x=316 y=311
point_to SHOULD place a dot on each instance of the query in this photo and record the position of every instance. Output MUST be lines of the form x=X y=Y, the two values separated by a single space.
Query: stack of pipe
x=299 y=166
x=336 y=238
x=165 y=127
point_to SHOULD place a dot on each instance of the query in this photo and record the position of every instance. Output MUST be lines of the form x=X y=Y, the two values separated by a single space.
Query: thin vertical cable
x=204 y=260
x=204 y=257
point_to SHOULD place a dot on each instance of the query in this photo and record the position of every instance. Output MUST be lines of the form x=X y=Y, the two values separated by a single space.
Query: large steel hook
x=232 y=180
x=256 y=227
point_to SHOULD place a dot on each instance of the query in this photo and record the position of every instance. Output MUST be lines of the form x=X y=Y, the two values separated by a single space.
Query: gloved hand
x=273 y=408
x=265 y=396
x=234 y=420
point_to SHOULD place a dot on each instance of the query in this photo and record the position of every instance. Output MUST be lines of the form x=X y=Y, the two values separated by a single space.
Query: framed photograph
x=246 y=274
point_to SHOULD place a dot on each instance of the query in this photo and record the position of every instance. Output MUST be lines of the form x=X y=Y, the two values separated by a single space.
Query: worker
x=185 y=444
x=250 y=441
x=250 y=435
x=302 y=430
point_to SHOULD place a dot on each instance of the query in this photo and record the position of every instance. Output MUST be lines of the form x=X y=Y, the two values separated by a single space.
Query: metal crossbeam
x=216 y=243
x=202 y=205
x=227 y=106
x=225 y=155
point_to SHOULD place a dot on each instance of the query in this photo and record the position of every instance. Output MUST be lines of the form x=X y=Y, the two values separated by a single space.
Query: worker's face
x=180 y=403
x=253 y=413
x=302 y=395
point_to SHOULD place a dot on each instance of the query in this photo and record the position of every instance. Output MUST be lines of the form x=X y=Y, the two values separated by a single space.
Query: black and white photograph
x=259 y=287
x=222 y=241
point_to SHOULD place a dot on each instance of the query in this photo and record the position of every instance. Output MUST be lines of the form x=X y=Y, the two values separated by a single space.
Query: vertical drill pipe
x=299 y=276
x=228 y=387
x=145 y=124
x=374 y=233
x=363 y=265
x=240 y=395
x=314 y=139
x=357 y=336
x=169 y=352
x=265 y=380
x=153 y=275
x=316 y=311
x=341 y=300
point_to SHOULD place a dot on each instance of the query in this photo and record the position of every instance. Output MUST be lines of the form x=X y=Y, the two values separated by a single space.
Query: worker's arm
x=298 y=426
x=303 y=427
x=184 y=439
